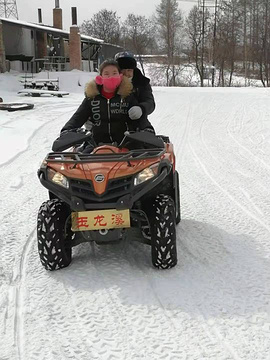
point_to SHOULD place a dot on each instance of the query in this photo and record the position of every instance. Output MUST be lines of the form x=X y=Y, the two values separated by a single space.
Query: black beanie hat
x=126 y=60
x=107 y=63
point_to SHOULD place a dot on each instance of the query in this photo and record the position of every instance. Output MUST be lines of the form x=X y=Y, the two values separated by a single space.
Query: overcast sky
x=27 y=9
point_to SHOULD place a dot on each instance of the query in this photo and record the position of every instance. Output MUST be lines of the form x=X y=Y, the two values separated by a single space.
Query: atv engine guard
x=99 y=236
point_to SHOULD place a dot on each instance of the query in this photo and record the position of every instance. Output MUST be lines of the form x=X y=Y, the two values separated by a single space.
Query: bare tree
x=138 y=34
x=243 y=32
x=104 y=25
x=264 y=43
x=198 y=29
x=229 y=39
x=169 y=21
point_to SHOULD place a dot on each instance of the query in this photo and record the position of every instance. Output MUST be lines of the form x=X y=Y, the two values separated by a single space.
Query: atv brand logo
x=99 y=178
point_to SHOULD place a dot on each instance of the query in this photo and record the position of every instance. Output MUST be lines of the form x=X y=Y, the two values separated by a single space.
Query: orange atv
x=113 y=192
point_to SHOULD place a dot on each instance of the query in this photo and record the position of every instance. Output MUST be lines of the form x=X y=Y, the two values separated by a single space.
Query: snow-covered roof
x=150 y=56
x=48 y=28
x=105 y=43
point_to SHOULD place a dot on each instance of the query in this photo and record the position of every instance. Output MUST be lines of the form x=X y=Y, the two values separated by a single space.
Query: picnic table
x=46 y=84
x=36 y=92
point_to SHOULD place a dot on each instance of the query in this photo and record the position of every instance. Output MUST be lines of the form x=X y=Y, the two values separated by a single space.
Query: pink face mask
x=110 y=83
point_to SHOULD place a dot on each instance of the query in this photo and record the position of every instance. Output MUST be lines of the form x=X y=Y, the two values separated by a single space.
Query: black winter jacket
x=143 y=92
x=109 y=118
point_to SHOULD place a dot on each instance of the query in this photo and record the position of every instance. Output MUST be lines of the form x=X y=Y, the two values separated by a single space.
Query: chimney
x=41 y=38
x=75 y=53
x=74 y=15
x=39 y=16
x=57 y=16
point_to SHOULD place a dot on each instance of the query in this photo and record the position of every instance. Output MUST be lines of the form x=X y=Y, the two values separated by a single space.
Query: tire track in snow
x=28 y=195
x=159 y=313
x=36 y=131
x=177 y=327
x=202 y=124
x=236 y=270
x=267 y=166
x=210 y=331
x=232 y=198
x=117 y=269
x=98 y=317
x=19 y=279
x=115 y=307
x=80 y=313
x=181 y=145
x=200 y=257
x=220 y=297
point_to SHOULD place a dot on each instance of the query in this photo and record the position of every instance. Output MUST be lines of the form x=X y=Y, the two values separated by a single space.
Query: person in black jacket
x=141 y=84
x=110 y=105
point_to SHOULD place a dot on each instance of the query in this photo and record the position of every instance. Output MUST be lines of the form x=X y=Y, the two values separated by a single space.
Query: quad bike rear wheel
x=163 y=232
x=53 y=248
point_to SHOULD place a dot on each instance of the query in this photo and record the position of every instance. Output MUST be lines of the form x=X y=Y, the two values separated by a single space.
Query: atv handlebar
x=77 y=158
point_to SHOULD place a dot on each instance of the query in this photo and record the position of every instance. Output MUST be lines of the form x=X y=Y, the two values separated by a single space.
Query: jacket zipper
x=121 y=103
x=109 y=118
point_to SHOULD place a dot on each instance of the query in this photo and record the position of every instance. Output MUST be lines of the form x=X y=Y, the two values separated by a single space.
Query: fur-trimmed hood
x=124 y=90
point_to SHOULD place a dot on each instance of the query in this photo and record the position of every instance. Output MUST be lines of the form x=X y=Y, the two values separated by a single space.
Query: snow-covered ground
x=110 y=303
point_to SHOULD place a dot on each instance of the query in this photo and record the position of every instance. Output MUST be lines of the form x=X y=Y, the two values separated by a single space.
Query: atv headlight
x=146 y=174
x=57 y=178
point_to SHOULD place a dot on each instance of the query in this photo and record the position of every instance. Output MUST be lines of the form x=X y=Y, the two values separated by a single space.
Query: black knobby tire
x=177 y=200
x=16 y=106
x=163 y=232
x=53 y=249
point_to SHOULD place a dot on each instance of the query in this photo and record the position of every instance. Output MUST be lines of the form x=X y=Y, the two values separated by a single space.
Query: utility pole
x=8 y=8
x=205 y=4
x=203 y=30
x=214 y=45
x=266 y=44
x=208 y=4
x=245 y=40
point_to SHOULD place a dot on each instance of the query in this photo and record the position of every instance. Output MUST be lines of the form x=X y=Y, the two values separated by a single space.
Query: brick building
x=28 y=47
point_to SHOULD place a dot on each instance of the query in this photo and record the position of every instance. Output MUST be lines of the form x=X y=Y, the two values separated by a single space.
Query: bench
x=36 y=92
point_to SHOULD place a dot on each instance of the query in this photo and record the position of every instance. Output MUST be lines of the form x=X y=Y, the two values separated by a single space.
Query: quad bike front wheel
x=163 y=232
x=53 y=247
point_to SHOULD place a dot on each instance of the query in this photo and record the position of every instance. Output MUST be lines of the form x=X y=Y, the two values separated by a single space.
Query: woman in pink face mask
x=110 y=78
x=108 y=107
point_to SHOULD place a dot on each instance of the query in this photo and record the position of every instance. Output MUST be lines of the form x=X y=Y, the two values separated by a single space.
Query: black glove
x=70 y=138
x=75 y=130
x=149 y=130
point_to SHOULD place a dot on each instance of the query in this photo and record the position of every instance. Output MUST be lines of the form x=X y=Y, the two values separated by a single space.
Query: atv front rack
x=76 y=158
